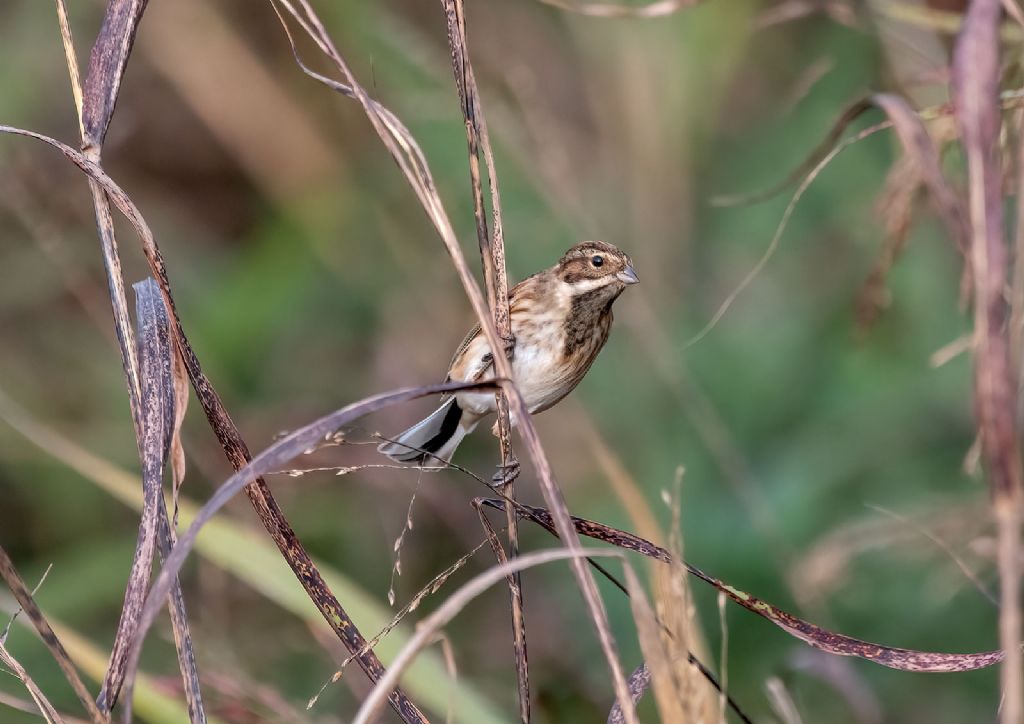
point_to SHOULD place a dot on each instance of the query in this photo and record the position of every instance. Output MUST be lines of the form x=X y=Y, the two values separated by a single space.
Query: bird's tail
x=431 y=441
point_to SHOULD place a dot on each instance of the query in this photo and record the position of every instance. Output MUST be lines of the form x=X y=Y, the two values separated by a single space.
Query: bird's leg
x=509 y=469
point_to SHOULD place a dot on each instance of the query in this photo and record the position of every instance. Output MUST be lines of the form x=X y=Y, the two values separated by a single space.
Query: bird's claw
x=506 y=474
x=510 y=346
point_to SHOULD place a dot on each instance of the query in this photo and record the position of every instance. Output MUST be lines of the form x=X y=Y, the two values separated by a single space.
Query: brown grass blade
x=518 y=622
x=407 y=154
x=107 y=64
x=28 y=604
x=976 y=77
x=157 y=414
x=160 y=370
x=835 y=643
x=180 y=627
x=106 y=83
x=448 y=610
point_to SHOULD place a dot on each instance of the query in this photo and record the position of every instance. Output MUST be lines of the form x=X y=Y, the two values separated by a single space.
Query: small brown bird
x=560 y=320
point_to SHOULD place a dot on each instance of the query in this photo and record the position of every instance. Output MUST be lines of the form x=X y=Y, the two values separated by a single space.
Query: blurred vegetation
x=308 y=277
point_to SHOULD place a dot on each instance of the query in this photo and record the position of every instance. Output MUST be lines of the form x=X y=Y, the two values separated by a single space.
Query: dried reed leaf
x=71 y=59
x=107 y=64
x=157 y=415
x=118 y=31
x=919 y=147
x=161 y=418
x=823 y=639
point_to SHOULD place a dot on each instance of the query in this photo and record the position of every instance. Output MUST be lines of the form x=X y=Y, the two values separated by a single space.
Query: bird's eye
x=597 y=260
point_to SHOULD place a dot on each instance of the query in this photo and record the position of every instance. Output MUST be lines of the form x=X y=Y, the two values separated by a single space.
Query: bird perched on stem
x=560 y=320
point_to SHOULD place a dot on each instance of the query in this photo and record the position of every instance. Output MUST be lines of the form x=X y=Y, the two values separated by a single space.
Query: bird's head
x=593 y=265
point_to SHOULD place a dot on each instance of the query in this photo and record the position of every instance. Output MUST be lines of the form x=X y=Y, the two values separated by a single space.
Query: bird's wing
x=473 y=334
x=472 y=359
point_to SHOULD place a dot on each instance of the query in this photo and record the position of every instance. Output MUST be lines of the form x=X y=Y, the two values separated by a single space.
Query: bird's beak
x=627 y=275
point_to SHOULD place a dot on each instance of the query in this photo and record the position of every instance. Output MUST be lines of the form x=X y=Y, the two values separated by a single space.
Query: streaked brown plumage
x=560 y=319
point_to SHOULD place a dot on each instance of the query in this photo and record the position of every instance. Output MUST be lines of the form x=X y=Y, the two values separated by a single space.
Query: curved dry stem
x=448 y=610
x=273 y=457
x=777 y=237
x=831 y=642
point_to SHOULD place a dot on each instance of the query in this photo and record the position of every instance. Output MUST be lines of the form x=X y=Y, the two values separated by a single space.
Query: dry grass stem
x=976 y=78
x=492 y=255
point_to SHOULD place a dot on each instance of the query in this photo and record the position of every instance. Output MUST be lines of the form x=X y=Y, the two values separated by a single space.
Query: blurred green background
x=819 y=455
